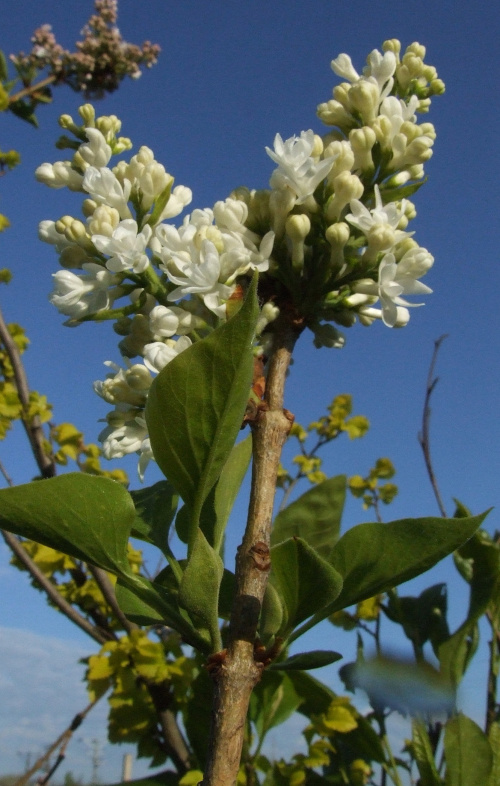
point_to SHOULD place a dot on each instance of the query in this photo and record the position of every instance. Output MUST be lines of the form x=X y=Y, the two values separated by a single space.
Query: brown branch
x=33 y=425
x=50 y=590
x=160 y=693
x=31 y=90
x=235 y=671
x=423 y=436
x=62 y=741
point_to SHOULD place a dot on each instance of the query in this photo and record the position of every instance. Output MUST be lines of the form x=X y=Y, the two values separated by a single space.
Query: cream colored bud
x=407 y=244
x=424 y=105
x=338 y=234
x=410 y=212
x=429 y=73
x=392 y=45
x=427 y=129
x=416 y=49
x=344 y=159
x=317 y=146
x=362 y=141
x=298 y=227
x=138 y=377
x=437 y=87
x=383 y=131
x=121 y=144
x=213 y=234
x=67 y=122
x=403 y=75
x=87 y=113
x=418 y=151
x=364 y=97
x=73 y=257
x=281 y=202
x=416 y=171
x=109 y=126
x=72 y=229
x=104 y=221
x=88 y=207
x=268 y=314
x=341 y=94
x=332 y=113
x=346 y=187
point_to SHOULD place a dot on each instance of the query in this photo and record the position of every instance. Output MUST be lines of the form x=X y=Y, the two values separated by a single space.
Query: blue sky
x=230 y=76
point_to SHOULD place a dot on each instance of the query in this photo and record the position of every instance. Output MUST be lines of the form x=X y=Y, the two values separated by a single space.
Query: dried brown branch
x=32 y=426
x=424 y=435
x=50 y=590
x=61 y=741
x=236 y=671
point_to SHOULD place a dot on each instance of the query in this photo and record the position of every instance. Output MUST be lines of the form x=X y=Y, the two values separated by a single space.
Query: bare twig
x=236 y=671
x=62 y=741
x=32 y=90
x=62 y=604
x=423 y=436
x=33 y=425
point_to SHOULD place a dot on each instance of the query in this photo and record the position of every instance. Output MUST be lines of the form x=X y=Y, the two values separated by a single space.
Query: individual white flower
x=145 y=455
x=297 y=168
x=380 y=218
x=96 y=152
x=125 y=247
x=48 y=233
x=241 y=254
x=122 y=440
x=343 y=67
x=59 y=175
x=125 y=385
x=105 y=188
x=163 y=322
x=392 y=283
x=158 y=354
x=199 y=277
x=381 y=68
x=180 y=197
x=79 y=295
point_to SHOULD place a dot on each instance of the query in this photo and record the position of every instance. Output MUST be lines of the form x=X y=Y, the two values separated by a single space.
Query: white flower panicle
x=329 y=238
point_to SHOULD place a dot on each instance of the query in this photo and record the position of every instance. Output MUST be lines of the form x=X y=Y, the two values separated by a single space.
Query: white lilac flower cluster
x=329 y=238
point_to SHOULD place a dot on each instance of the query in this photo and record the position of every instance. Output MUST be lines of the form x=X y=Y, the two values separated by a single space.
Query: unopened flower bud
x=365 y=97
x=317 y=147
x=88 y=207
x=346 y=187
x=437 y=87
x=362 y=141
x=72 y=229
x=87 y=113
x=326 y=335
x=381 y=237
x=416 y=49
x=392 y=45
x=104 y=221
x=383 y=131
x=268 y=314
x=73 y=257
x=343 y=154
x=341 y=94
x=332 y=113
x=138 y=377
x=337 y=235
x=297 y=228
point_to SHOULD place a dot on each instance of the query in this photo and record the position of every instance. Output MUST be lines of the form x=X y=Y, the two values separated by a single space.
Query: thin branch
x=33 y=425
x=101 y=578
x=62 y=741
x=31 y=90
x=62 y=604
x=236 y=671
x=424 y=437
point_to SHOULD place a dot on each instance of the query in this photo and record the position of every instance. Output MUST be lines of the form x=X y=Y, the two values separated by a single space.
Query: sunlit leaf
x=468 y=753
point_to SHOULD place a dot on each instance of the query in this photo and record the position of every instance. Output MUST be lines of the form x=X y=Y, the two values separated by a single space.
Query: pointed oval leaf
x=196 y=405
x=199 y=588
x=374 y=557
x=304 y=581
x=315 y=516
x=155 y=507
x=304 y=661
x=85 y=516
x=468 y=753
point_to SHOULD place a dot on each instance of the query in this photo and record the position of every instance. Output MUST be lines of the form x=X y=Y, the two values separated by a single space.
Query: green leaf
x=305 y=661
x=199 y=588
x=315 y=516
x=374 y=557
x=155 y=507
x=271 y=615
x=316 y=697
x=422 y=618
x=479 y=560
x=160 y=204
x=468 y=753
x=196 y=405
x=304 y=581
x=147 y=603
x=85 y=516
x=219 y=503
x=423 y=755
x=272 y=702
